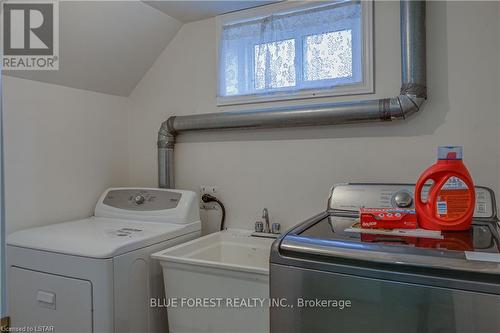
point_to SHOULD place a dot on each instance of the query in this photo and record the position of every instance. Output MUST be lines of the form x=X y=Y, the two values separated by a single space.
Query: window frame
x=366 y=86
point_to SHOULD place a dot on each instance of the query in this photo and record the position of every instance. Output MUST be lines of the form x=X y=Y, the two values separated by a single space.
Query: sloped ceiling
x=107 y=46
x=188 y=11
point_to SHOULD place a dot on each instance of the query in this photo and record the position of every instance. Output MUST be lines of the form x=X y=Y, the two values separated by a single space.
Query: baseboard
x=5 y=324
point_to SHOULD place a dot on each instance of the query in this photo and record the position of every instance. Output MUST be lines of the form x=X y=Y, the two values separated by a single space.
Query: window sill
x=303 y=94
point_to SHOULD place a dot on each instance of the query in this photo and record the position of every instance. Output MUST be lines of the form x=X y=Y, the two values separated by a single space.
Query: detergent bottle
x=451 y=199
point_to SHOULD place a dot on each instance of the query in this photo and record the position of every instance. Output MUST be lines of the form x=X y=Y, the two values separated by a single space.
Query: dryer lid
x=98 y=237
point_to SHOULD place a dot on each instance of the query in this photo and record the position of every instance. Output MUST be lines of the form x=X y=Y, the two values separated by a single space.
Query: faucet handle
x=275 y=229
x=259 y=226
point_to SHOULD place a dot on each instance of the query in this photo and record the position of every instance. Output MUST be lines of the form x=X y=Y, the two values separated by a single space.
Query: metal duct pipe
x=412 y=95
x=413 y=47
x=166 y=143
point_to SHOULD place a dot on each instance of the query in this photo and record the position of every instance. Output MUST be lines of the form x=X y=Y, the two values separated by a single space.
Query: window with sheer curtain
x=295 y=50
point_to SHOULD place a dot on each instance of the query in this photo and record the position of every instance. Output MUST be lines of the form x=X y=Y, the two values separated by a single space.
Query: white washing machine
x=96 y=274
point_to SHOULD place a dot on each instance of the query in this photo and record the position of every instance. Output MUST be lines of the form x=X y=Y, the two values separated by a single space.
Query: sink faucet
x=265 y=217
x=262 y=228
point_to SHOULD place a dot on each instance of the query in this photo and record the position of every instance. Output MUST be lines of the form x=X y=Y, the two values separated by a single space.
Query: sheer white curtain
x=310 y=48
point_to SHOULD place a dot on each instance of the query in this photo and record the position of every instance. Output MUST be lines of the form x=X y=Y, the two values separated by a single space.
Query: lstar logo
x=30 y=35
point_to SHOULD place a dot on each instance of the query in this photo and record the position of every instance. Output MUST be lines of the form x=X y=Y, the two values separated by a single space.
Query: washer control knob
x=139 y=199
x=403 y=199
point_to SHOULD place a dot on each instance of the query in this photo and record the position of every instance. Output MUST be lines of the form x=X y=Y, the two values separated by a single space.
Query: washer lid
x=331 y=236
x=98 y=237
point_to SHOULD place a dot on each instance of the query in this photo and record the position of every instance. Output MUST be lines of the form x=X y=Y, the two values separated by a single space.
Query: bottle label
x=453 y=199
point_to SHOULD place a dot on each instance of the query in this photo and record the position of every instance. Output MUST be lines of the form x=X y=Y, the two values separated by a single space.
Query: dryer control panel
x=142 y=199
x=149 y=204
x=353 y=196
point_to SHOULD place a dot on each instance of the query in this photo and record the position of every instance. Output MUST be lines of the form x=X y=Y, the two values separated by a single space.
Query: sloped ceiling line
x=108 y=46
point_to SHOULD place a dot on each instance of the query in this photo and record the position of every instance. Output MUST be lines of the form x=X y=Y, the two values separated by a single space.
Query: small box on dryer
x=388 y=218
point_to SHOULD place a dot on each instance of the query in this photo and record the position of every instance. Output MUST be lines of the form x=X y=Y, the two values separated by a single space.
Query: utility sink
x=229 y=268
x=231 y=249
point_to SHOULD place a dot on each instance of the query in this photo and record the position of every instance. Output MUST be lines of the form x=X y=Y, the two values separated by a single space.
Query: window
x=295 y=50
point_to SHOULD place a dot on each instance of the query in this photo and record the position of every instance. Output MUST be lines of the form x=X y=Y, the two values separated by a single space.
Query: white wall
x=291 y=170
x=106 y=46
x=63 y=147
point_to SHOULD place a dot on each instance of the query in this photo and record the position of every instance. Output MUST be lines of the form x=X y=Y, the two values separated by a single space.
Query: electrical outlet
x=208 y=189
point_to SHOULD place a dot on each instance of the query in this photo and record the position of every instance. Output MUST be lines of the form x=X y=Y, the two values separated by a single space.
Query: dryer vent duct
x=410 y=99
